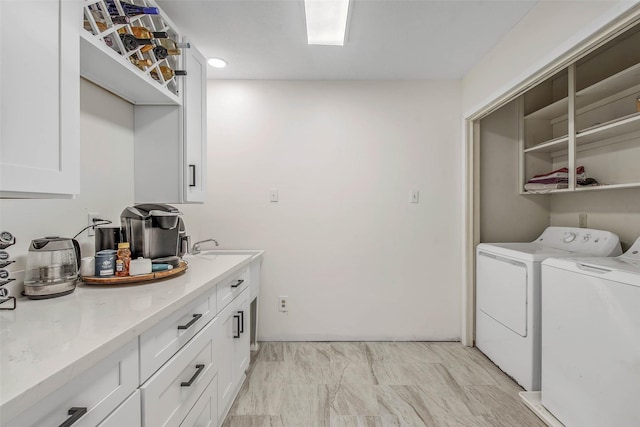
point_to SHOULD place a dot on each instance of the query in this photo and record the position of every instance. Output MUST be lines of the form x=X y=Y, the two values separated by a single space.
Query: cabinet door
x=40 y=102
x=195 y=125
x=224 y=357
x=241 y=353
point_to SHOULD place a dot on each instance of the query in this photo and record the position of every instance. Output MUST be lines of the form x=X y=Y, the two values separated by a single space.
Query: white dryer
x=591 y=340
x=508 y=295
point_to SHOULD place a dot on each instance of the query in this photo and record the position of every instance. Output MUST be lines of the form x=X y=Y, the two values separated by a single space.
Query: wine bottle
x=116 y=19
x=144 y=33
x=131 y=9
x=162 y=52
x=102 y=27
x=171 y=45
x=141 y=63
x=167 y=73
x=131 y=42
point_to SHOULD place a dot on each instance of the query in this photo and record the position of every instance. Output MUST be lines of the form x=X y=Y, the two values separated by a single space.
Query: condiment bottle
x=124 y=258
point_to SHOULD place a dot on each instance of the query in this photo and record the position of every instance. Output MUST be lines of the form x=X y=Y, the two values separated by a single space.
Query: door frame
x=599 y=34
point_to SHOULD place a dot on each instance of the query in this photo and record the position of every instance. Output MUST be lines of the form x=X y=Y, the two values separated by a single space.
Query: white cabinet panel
x=127 y=414
x=90 y=397
x=205 y=412
x=171 y=142
x=40 y=103
x=162 y=341
x=171 y=392
x=231 y=288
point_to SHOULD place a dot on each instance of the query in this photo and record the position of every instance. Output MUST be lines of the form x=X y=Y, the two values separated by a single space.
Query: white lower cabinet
x=127 y=414
x=90 y=397
x=183 y=372
x=205 y=412
x=169 y=395
x=232 y=350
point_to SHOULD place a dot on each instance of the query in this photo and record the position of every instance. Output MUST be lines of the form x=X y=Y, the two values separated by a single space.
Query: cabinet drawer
x=230 y=288
x=89 y=397
x=171 y=392
x=162 y=341
x=127 y=414
x=205 y=412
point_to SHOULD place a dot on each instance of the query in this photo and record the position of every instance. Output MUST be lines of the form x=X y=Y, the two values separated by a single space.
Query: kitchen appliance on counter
x=52 y=267
x=154 y=231
x=107 y=238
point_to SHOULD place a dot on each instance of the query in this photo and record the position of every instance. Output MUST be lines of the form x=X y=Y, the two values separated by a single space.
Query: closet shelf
x=610 y=129
x=548 y=146
x=551 y=111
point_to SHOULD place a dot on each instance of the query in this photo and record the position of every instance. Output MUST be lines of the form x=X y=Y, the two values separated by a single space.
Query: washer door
x=501 y=286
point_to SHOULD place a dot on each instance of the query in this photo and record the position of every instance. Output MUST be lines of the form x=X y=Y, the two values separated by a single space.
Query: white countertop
x=45 y=343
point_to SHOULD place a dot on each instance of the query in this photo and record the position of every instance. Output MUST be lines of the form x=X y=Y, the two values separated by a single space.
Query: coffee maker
x=154 y=231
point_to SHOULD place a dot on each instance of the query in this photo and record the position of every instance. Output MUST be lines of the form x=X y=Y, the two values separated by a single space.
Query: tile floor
x=376 y=384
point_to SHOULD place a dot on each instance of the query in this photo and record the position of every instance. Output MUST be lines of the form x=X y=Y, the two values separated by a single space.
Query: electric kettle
x=52 y=267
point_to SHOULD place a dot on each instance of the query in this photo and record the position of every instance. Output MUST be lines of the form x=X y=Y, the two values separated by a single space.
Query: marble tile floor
x=376 y=384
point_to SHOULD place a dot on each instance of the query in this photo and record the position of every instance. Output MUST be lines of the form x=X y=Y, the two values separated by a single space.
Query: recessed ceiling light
x=326 y=21
x=217 y=62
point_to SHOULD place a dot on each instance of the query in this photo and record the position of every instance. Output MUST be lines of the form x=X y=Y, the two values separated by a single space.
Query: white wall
x=505 y=215
x=355 y=258
x=549 y=30
x=106 y=135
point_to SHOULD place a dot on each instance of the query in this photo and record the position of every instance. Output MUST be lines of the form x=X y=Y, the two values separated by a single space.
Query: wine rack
x=109 y=62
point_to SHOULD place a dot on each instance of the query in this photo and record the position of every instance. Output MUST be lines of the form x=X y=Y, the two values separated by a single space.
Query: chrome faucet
x=195 y=249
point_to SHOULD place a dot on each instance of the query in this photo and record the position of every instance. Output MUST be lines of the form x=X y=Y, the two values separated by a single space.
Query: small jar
x=124 y=259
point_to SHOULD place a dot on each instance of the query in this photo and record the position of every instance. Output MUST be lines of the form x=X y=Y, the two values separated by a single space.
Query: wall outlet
x=414 y=196
x=582 y=220
x=283 y=303
x=90 y=217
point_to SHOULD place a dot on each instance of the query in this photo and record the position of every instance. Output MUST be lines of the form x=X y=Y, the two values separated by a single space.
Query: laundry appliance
x=591 y=340
x=508 y=295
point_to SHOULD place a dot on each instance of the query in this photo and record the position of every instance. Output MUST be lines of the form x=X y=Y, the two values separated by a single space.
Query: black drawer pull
x=75 y=415
x=191 y=322
x=240 y=282
x=199 y=369
x=241 y=313
x=237 y=317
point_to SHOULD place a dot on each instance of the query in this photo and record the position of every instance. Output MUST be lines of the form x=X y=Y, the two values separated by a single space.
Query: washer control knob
x=569 y=237
x=586 y=237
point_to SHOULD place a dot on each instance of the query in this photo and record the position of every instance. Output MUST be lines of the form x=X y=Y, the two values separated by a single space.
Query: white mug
x=87 y=266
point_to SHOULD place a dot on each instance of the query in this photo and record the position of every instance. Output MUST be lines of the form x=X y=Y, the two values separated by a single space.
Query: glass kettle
x=52 y=267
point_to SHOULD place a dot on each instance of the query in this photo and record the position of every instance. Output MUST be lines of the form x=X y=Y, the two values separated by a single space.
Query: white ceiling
x=386 y=39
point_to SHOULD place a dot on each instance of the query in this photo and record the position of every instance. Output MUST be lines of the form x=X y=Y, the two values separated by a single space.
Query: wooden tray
x=115 y=280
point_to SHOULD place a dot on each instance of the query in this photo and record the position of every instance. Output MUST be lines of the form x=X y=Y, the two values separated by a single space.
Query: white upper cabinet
x=40 y=99
x=171 y=141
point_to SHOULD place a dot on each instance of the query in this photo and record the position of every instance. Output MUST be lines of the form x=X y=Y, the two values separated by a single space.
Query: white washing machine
x=508 y=295
x=591 y=340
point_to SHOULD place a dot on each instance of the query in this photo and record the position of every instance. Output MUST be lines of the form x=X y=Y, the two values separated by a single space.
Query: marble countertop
x=45 y=343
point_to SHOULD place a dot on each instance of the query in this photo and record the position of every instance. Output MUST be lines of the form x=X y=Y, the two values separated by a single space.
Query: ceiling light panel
x=326 y=21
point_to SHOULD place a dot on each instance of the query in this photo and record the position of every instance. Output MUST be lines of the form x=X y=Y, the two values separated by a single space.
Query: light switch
x=273 y=195
x=414 y=197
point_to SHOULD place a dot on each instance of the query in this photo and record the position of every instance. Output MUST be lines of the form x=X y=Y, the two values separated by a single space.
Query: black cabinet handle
x=75 y=415
x=240 y=282
x=192 y=181
x=191 y=322
x=199 y=369
x=237 y=317
x=241 y=313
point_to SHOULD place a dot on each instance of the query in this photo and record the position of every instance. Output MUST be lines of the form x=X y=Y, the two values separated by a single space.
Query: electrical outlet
x=283 y=303
x=582 y=220
x=90 y=217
